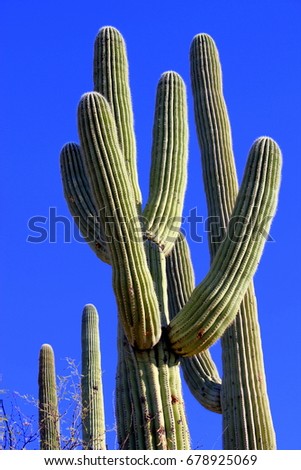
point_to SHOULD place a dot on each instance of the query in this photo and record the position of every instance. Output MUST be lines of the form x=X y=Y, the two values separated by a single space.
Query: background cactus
x=161 y=315
x=93 y=426
x=48 y=403
x=92 y=408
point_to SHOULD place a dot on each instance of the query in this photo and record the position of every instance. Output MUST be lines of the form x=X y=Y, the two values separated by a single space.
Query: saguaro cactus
x=163 y=318
x=48 y=404
x=92 y=396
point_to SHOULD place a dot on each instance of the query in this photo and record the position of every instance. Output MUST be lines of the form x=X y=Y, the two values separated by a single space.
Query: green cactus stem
x=133 y=285
x=48 y=404
x=127 y=401
x=111 y=79
x=162 y=317
x=214 y=304
x=168 y=178
x=200 y=372
x=80 y=201
x=247 y=422
x=154 y=417
x=93 y=422
x=157 y=418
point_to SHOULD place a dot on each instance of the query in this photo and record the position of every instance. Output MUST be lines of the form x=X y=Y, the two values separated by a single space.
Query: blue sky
x=46 y=56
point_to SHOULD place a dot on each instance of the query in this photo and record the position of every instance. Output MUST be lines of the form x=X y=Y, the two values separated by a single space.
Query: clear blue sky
x=46 y=65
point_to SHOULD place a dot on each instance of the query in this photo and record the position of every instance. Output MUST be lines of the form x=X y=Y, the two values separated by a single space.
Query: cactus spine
x=48 y=403
x=91 y=384
x=163 y=318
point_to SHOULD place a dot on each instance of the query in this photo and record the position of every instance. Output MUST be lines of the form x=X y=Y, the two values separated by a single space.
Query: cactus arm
x=244 y=376
x=48 y=405
x=133 y=285
x=93 y=424
x=200 y=372
x=80 y=203
x=215 y=302
x=168 y=178
x=157 y=266
x=214 y=134
x=111 y=79
x=203 y=381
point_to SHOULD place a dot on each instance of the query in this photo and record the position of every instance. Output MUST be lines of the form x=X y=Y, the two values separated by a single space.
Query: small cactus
x=91 y=384
x=48 y=403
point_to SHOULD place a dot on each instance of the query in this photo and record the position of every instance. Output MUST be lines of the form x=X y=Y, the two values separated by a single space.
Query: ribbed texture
x=200 y=372
x=133 y=285
x=215 y=302
x=48 y=405
x=111 y=79
x=79 y=199
x=151 y=379
x=168 y=178
x=246 y=413
x=214 y=135
x=93 y=421
x=157 y=265
x=154 y=418
x=127 y=403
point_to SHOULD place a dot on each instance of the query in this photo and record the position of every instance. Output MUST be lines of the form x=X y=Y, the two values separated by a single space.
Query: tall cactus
x=163 y=318
x=247 y=420
x=93 y=426
x=48 y=403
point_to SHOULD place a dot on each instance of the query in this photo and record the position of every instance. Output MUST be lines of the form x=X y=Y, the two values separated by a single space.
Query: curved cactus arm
x=93 y=422
x=168 y=178
x=111 y=79
x=48 y=403
x=79 y=199
x=137 y=302
x=200 y=372
x=248 y=424
x=203 y=381
x=214 y=304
